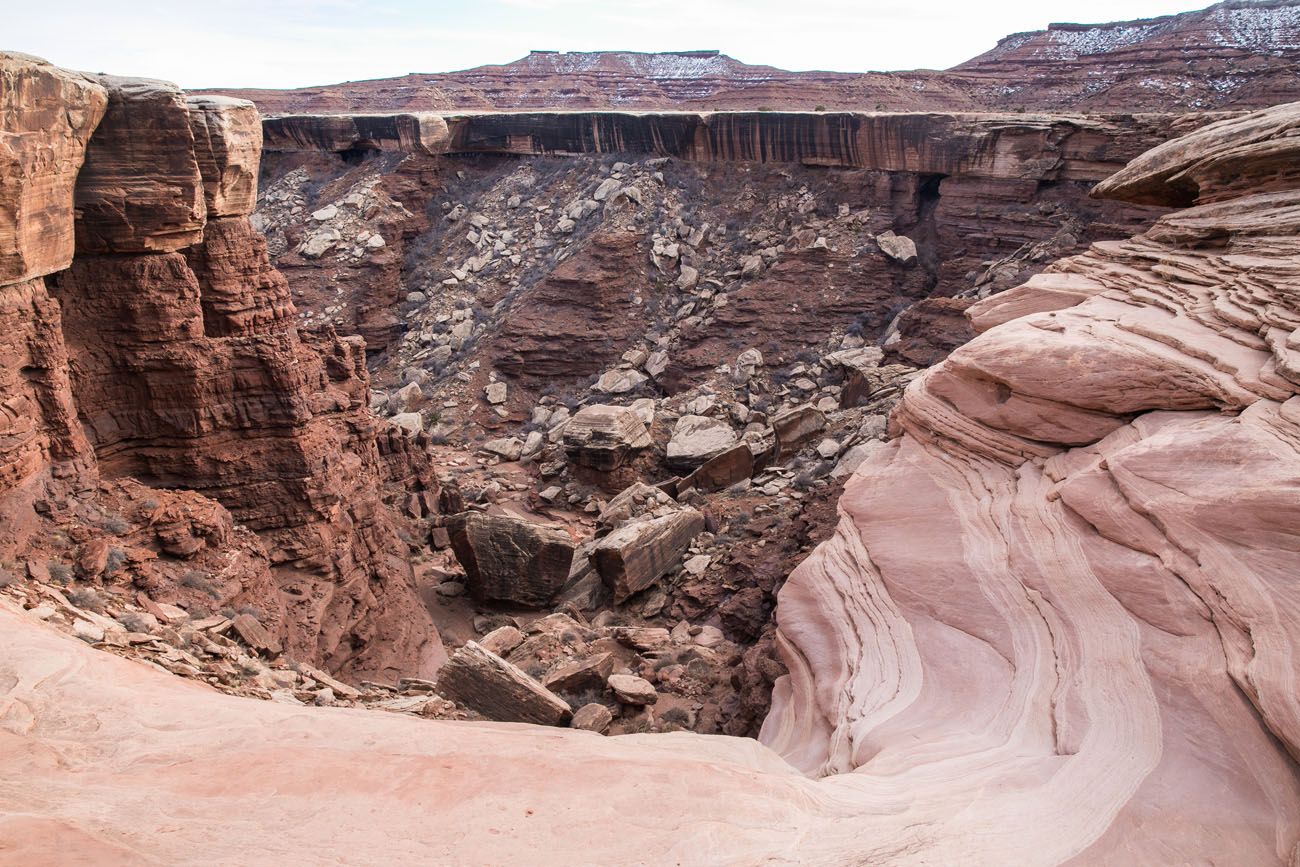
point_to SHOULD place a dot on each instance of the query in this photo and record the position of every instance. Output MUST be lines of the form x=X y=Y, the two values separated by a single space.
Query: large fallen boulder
x=897 y=247
x=602 y=437
x=510 y=559
x=722 y=471
x=696 y=439
x=796 y=426
x=486 y=683
x=640 y=552
x=634 y=501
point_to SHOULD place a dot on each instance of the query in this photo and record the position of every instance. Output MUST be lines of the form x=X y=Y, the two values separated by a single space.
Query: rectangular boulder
x=642 y=551
x=508 y=559
x=603 y=437
x=487 y=684
x=796 y=426
x=734 y=465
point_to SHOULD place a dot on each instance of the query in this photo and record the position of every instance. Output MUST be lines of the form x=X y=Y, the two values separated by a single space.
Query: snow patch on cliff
x=1258 y=28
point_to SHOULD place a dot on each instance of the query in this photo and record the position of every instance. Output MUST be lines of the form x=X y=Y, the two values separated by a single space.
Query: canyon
x=640 y=459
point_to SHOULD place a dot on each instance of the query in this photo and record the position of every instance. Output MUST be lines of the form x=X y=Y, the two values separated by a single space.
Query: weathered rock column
x=189 y=373
x=49 y=114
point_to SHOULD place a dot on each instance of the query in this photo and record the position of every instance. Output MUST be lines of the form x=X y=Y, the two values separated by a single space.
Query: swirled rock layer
x=1099 y=632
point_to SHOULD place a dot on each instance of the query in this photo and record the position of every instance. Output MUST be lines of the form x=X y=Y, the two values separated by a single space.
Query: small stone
x=897 y=247
x=630 y=689
x=411 y=422
x=450 y=589
x=619 y=381
x=593 y=717
x=506 y=448
x=87 y=631
x=828 y=449
x=698 y=564
x=328 y=212
x=607 y=186
x=502 y=640
x=496 y=392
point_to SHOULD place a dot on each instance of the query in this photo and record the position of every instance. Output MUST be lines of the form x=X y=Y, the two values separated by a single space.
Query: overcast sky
x=293 y=43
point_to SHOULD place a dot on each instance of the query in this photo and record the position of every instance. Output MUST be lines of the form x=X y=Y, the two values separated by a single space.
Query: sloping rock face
x=171 y=359
x=1235 y=54
x=1103 y=616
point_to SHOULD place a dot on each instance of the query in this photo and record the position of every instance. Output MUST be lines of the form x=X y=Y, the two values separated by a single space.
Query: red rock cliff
x=171 y=357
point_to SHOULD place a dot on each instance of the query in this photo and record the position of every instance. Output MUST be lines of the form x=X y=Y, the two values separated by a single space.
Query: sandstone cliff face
x=49 y=116
x=1104 y=616
x=140 y=189
x=168 y=354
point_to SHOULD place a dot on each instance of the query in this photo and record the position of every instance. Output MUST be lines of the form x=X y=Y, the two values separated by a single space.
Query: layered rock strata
x=1239 y=53
x=168 y=354
x=1104 y=607
x=49 y=115
x=1025 y=146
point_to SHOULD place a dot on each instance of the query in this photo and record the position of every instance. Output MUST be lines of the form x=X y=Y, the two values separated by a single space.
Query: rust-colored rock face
x=228 y=147
x=240 y=292
x=140 y=189
x=48 y=114
x=406 y=133
x=41 y=440
x=171 y=358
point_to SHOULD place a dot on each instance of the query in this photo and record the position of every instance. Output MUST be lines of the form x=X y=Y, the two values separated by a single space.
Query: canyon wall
x=165 y=351
x=984 y=197
x=1024 y=146
x=43 y=452
x=1057 y=624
